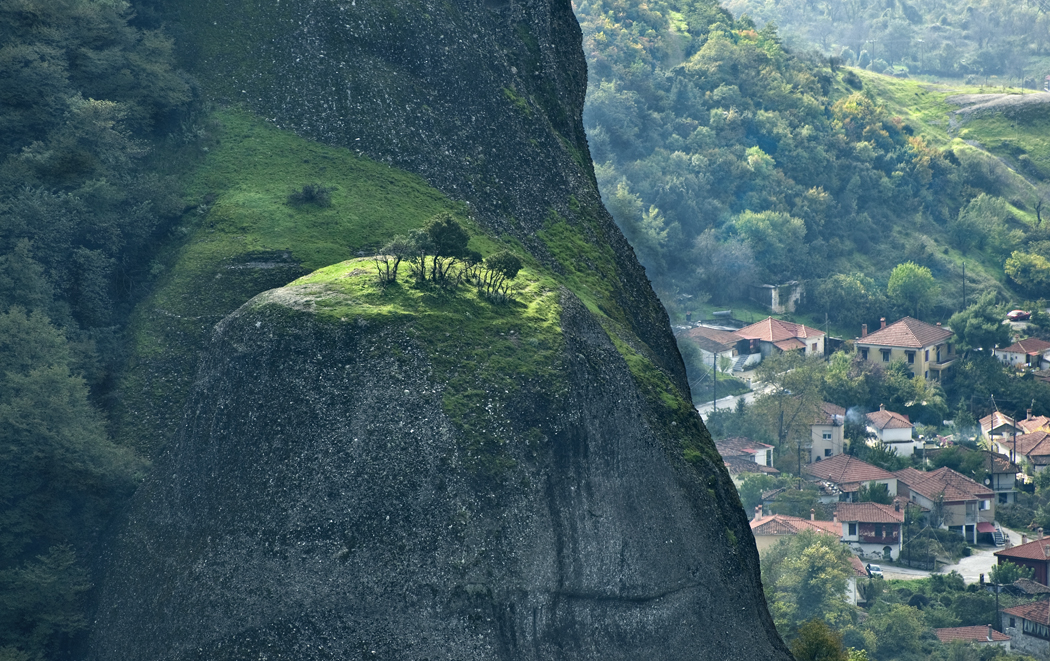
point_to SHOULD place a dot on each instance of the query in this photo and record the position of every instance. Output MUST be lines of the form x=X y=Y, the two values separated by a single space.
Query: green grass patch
x=242 y=238
x=518 y=101
x=488 y=355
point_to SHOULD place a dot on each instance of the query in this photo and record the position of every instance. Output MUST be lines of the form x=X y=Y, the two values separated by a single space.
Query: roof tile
x=977 y=634
x=845 y=469
x=775 y=330
x=956 y=487
x=868 y=513
x=907 y=332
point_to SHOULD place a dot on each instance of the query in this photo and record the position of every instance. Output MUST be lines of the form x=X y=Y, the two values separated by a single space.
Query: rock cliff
x=410 y=473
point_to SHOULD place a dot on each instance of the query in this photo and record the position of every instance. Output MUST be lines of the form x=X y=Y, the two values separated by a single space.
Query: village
x=908 y=500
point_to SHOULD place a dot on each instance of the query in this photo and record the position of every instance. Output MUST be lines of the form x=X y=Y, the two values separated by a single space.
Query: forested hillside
x=984 y=39
x=87 y=96
x=729 y=160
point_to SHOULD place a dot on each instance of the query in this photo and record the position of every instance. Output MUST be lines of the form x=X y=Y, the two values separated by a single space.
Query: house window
x=1035 y=629
x=1013 y=623
x=885 y=355
x=852 y=529
x=927 y=358
x=826 y=436
x=986 y=504
x=878 y=530
x=938 y=354
x=911 y=357
x=814 y=347
x=827 y=452
x=769 y=457
x=863 y=354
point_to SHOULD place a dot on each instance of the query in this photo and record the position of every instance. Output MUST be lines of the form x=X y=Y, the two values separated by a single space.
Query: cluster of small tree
x=438 y=253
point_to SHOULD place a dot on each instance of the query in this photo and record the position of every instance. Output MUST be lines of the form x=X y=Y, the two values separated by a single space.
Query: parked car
x=874 y=571
x=1018 y=315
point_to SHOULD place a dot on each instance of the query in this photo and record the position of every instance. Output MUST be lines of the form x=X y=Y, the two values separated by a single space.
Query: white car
x=874 y=571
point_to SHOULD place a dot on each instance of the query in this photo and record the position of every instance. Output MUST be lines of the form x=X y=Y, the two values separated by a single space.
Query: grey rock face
x=317 y=504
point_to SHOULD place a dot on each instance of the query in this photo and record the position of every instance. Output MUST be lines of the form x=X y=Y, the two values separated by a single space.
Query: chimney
x=1029 y=414
x=882 y=320
x=938 y=323
x=989 y=632
x=896 y=507
x=758 y=512
x=813 y=515
x=835 y=517
x=863 y=330
x=882 y=407
x=1040 y=532
x=1024 y=538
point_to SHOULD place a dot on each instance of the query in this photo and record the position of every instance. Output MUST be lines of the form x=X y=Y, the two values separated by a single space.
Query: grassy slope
x=224 y=253
x=244 y=238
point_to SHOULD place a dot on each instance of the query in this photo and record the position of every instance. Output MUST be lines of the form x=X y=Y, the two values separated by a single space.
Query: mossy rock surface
x=410 y=472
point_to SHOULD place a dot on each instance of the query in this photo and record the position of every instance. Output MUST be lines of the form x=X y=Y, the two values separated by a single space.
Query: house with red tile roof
x=714 y=343
x=872 y=530
x=1001 y=472
x=1033 y=448
x=768 y=530
x=741 y=446
x=826 y=432
x=846 y=474
x=1031 y=352
x=998 y=424
x=926 y=349
x=1028 y=626
x=854 y=589
x=1033 y=423
x=982 y=636
x=894 y=430
x=955 y=501
x=774 y=335
x=1033 y=554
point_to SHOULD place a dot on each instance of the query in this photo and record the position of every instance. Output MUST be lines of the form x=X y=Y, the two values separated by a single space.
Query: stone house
x=871 y=530
x=1033 y=554
x=1028 y=626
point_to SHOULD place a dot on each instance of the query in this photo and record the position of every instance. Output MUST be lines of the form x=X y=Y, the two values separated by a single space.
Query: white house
x=894 y=430
x=1032 y=352
x=826 y=432
x=871 y=530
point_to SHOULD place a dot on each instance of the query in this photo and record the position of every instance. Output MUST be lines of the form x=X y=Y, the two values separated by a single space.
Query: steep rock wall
x=319 y=503
x=325 y=497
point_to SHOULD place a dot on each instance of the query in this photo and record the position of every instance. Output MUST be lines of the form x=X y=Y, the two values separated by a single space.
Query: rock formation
x=436 y=477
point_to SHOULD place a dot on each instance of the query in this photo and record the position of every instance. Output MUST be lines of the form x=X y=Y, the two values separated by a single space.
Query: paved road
x=971 y=568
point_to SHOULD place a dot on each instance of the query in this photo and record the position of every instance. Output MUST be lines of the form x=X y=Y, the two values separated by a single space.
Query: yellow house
x=926 y=349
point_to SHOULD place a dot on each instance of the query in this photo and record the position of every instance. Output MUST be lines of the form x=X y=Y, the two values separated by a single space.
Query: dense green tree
x=804 y=577
x=60 y=477
x=875 y=492
x=898 y=630
x=980 y=325
x=1007 y=572
x=912 y=288
x=1030 y=271
x=817 y=642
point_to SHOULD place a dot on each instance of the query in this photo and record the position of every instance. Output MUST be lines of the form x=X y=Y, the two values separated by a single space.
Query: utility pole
x=714 y=381
x=964 y=286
